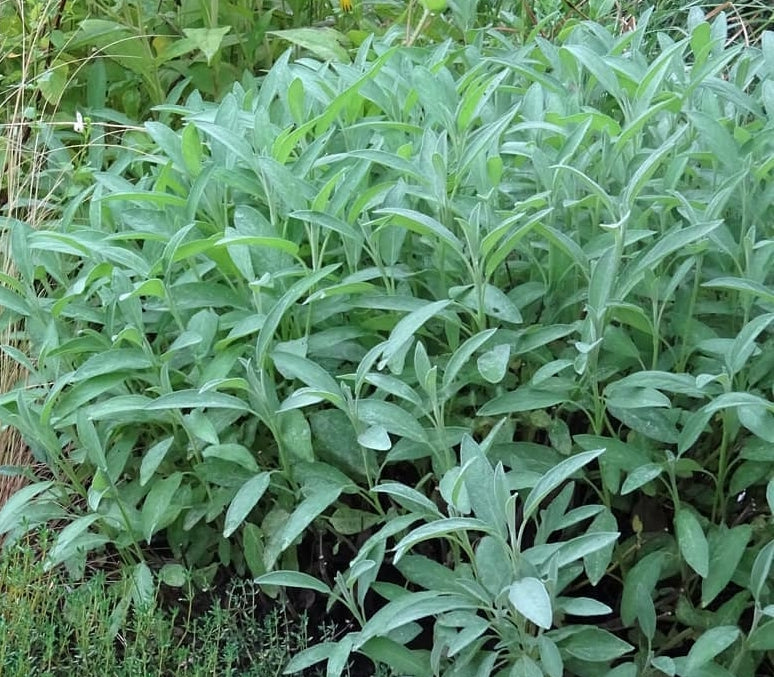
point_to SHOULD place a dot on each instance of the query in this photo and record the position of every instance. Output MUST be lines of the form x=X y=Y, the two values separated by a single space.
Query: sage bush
x=472 y=341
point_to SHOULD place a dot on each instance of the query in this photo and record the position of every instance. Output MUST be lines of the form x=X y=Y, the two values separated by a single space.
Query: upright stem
x=719 y=510
x=420 y=26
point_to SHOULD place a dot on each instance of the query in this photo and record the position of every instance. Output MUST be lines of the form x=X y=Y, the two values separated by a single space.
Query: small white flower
x=78 y=125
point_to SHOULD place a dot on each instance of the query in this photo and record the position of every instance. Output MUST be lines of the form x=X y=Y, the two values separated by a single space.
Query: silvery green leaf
x=530 y=598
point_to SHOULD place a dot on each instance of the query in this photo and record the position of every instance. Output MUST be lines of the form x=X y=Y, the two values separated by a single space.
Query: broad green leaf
x=726 y=548
x=550 y=657
x=143 y=588
x=386 y=159
x=627 y=397
x=485 y=137
x=530 y=598
x=646 y=612
x=114 y=407
x=208 y=40
x=152 y=459
x=463 y=354
x=390 y=529
x=556 y=476
x=296 y=435
x=392 y=418
x=122 y=359
x=476 y=97
x=492 y=302
x=762 y=638
x=595 y=645
x=493 y=364
x=668 y=102
x=198 y=424
x=422 y=365
x=309 y=657
x=168 y=140
x=584 y=545
x=694 y=426
x=337 y=660
x=479 y=477
x=408 y=497
x=524 y=398
x=157 y=503
x=173 y=575
x=409 y=608
x=524 y=666
x=13 y=511
x=596 y=65
x=89 y=439
x=331 y=223
x=597 y=189
x=651 y=422
x=275 y=315
x=646 y=573
x=424 y=225
x=710 y=644
x=744 y=344
x=191 y=150
x=350 y=521
x=323 y=42
x=639 y=179
x=596 y=562
x=761 y=569
x=715 y=137
x=72 y=538
x=641 y=476
x=494 y=568
x=13 y=302
x=675 y=240
x=252 y=546
x=742 y=285
x=401 y=659
x=446 y=527
x=293 y=579
x=601 y=284
x=194 y=399
x=692 y=541
x=759 y=421
x=454 y=491
x=428 y=574
x=407 y=328
x=582 y=606
x=233 y=453
x=258 y=241
x=244 y=501
x=495 y=256
x=304 y=514
x=395 y=386
x=375 y=437
x=737 y=399
x=665 y=664
x=52 y=83
x=334 y=441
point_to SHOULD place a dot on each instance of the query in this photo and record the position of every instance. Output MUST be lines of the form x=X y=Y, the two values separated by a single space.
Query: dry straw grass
x=23 y=156
x=20 y=156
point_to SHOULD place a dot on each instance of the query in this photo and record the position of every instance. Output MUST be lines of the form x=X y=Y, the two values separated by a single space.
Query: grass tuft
x=50 y=625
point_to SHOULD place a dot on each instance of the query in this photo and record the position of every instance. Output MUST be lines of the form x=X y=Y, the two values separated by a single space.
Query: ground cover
x=52 y=625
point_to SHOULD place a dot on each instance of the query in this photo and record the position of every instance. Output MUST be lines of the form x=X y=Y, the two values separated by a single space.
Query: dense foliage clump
x=470 y=340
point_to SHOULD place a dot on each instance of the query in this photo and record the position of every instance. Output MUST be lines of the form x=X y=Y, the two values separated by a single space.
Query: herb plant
x=479 y=335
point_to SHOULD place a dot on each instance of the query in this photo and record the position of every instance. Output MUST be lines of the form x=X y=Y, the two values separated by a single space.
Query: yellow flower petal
x=346 y=5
